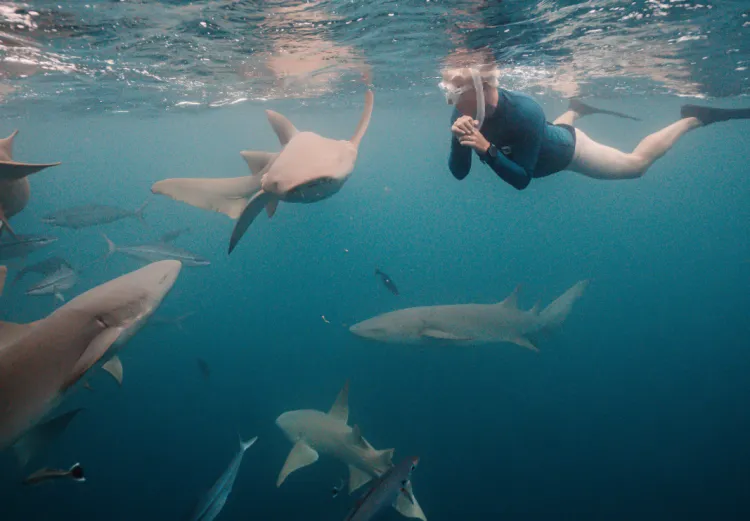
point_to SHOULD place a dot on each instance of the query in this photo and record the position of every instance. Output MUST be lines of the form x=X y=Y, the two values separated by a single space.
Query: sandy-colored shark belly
x=14 y=195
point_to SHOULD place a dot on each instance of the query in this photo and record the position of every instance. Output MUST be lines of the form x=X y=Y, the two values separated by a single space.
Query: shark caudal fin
x=37 y=438
x=555 y=314
x=138 y=214
x=111 y=247
x=244 y=445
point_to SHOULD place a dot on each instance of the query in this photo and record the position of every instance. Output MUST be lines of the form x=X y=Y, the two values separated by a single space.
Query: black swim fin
x=708 y=115
x=584 y=109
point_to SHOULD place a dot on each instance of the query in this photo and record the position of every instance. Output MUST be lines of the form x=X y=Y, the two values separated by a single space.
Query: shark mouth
x=313 y=191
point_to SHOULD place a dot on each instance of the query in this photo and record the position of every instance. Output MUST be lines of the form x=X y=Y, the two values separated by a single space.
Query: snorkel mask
x=453 y=94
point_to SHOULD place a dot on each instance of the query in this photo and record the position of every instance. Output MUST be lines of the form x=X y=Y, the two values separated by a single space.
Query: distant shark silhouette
x=470 y=324
x=308 y=169
x=40 y=360
x=14 y=187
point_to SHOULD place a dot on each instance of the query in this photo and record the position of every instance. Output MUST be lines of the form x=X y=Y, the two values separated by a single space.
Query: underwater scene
x=351 y=260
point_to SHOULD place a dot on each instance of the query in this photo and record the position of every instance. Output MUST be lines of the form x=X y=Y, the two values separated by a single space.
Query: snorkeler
x=510 y=133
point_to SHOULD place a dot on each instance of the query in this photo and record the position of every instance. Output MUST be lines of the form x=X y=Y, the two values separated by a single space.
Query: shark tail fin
x=139 y=212
x=364 y=121
x=37 y=438
x=111 y=247
x=555 y=314
x=228 y=196
x=244 y=445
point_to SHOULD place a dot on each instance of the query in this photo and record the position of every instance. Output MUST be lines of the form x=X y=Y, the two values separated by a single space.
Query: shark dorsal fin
x=257 y=161
x=114 y=367
x=340 y=408
x=364 y=121
x=6 y=147
x=282 y=126
x=535 y=310
x=511 y=300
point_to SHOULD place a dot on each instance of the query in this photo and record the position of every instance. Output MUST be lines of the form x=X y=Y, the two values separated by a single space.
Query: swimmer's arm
x=518 y=171
x=509 y=171
x=460 y=159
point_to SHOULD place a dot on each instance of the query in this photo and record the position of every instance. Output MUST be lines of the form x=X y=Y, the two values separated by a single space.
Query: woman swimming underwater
x=510 y=133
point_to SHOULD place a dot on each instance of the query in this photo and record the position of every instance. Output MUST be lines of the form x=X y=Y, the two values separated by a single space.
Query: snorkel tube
x=480 y=96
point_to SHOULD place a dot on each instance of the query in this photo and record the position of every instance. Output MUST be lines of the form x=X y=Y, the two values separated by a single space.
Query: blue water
x=636 y=408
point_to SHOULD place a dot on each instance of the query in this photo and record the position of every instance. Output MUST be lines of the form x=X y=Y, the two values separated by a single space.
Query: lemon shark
x=14 y=187
x=470 y=324
x=40 y=360
x=313 y=431
x=308 y=169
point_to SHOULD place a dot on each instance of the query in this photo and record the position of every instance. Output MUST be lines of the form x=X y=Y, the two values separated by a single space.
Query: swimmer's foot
x=583 y=109
x=708 y=115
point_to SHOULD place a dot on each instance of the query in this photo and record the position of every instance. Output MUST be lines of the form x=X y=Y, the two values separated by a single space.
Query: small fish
x=338 y=488
x=204 y=368
x=172 y=236
x=23 y=245
x=385 y=491
x=173 y=321
x=45 y=267
x=55 y=283
x=387 y=282
x=157 y=251
x=211 y=504
x=87 y=215
x=46 y=474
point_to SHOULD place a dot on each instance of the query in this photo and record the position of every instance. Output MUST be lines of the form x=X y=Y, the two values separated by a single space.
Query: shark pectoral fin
x=523 y=342
x=442 y=335
x=38 y=437
x=114 y=367
x=282 y=126
x=228 y=196
x=357 y=478
x=59 y=296
x=12 y=170
x=300 y=456
x=257 y=161
x=93 y=354
x=407 y=505
x=271 y=208
x=251 y=211
x=340 y=408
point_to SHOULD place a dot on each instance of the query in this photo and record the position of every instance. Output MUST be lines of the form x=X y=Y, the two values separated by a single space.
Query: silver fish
x=211 y=504
x=385 y=491
x=55 y=283
x=46 y=474
x=90 y=215
x=23 y=245
x=156 y=251
x=44 y=268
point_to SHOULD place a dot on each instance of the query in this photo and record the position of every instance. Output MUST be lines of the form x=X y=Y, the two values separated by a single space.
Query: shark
x=41 y=360
x=14 y=187
x=470 y=324
x=312 y=432
x=308 y=169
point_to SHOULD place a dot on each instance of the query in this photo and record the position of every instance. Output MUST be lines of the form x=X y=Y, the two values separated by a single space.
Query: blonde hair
x=459 y=76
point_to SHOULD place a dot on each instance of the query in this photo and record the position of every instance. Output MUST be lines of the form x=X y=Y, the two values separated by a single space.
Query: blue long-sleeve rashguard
x=528 y=145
